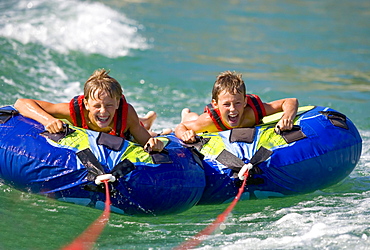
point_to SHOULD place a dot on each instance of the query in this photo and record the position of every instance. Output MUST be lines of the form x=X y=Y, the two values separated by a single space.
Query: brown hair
x=230 y=82
x=101 y=81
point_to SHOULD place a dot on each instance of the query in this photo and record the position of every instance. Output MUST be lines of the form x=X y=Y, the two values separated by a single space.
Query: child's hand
x=284 y=124
x=189 y=136
x=55 y=126
x=154 y=144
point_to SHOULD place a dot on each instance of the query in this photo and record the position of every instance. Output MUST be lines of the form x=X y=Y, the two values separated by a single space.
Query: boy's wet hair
x=101 y=81
x=229 y=81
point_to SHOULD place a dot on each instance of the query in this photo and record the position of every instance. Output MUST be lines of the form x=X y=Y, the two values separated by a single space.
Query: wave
x=65 y=26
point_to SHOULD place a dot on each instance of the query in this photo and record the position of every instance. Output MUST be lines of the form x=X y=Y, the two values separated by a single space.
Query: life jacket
x=253 y=101
x=76 y=109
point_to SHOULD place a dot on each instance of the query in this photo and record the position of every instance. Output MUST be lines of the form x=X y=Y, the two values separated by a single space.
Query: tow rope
x=198 y=238
x=231 y=161
x=87 y=239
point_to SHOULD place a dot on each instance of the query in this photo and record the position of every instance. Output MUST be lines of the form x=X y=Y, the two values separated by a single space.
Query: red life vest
x=76 y=109
x=253 y=101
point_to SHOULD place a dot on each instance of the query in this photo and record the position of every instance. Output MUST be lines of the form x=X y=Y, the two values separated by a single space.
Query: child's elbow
x=295 y=101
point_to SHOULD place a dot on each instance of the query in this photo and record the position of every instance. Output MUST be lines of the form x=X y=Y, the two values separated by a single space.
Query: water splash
x=66 y=26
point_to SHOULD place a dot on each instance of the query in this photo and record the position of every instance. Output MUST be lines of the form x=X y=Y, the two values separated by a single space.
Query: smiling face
x=101 y=109
x=231 y=107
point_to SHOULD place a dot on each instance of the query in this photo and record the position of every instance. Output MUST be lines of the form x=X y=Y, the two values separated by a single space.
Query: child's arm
x=140 y=134
x=44 y=112
x=188 y=130
x=289 y=106
x=185 y=134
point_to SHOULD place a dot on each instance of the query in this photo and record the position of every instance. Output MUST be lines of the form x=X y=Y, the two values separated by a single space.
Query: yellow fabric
x=214 y=146
x=79 y=139
x=164 y=140
x=135 y=153
x=269 y=139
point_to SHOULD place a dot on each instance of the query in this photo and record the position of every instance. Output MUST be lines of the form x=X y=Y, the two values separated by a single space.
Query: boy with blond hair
x=231 y=108
x=102 y=108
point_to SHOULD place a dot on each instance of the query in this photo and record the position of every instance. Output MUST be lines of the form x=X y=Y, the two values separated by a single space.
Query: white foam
x=65 y=26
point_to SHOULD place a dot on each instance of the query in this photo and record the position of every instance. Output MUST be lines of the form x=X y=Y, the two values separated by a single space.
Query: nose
x=232 y=107
x=102 y=109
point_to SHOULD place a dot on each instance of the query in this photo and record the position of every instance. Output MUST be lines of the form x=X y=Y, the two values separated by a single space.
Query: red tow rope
x=88 y=238
x=198 y=238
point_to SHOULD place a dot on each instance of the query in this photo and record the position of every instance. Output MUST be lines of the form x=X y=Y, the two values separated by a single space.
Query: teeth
x=103 y=119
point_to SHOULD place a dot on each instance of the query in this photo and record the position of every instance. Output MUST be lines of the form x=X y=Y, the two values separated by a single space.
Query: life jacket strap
x=257 y=106
x=215 y=116
x=76 y=111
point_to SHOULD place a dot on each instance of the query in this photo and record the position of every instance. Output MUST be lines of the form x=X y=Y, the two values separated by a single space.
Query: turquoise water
x=166 y=54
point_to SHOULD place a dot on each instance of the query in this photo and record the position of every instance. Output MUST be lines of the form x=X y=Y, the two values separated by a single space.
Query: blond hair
x=229 y=81
x=101 y=81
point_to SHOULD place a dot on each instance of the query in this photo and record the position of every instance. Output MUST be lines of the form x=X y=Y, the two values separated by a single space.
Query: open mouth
x=102 y=119
x=233 y=119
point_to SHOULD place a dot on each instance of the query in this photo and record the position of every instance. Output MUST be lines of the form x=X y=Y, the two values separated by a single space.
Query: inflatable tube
x=64 y=166
x=321 y=150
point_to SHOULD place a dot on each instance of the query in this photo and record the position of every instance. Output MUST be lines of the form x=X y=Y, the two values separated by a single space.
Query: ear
x=214 y=103
x=85 y=103
x=245 y=101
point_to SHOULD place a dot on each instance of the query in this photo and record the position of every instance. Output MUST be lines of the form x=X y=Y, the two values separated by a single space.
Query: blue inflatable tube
x=321 y=150
x=58 y=166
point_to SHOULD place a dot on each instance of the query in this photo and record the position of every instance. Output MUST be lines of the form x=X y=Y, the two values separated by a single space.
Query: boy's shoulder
x=248 y=119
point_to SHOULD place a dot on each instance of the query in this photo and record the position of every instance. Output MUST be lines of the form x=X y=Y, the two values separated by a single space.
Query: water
x=166 y=54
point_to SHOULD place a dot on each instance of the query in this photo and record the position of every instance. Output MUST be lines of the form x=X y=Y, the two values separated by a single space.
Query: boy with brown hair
x=102 y=108
x=231 y=108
